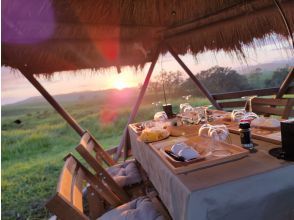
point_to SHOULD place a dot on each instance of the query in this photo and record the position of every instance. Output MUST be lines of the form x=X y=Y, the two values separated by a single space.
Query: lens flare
x=120 y=85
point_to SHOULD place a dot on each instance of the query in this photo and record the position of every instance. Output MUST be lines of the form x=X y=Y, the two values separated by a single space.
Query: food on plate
x=188 y=153
x=154 y=134
x=227 y=117
x=265 y=122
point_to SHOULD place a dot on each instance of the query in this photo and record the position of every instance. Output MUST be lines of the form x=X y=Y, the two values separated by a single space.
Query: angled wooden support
x=284 y=86
x=285 y=20
x=136 y=106
x=193 y=77
x=54 y=104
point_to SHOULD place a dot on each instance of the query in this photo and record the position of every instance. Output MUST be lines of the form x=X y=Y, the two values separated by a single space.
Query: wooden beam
x=232 y=104
x=226 y=14
x=193 y=77
x=54 y=104
x=284 y=86
x=234 y=95
x=136 y=106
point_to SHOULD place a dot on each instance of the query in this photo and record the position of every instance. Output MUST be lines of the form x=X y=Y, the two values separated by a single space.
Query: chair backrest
x=67 y=203
x=100 y=153
x=86 y=149
x=272 y=106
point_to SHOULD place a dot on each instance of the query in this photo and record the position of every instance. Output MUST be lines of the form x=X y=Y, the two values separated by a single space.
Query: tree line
x=217 y=80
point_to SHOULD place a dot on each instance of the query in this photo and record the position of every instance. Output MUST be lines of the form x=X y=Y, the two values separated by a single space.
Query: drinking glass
x=204 y=130
x=238 y=114
x=206 y=117
x=185 y=107
x=249 y=116
x=249 y=102
x=148 y=124
x=160 y=116
x=219 y=135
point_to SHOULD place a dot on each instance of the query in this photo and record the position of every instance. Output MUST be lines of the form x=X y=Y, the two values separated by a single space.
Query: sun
x=120 y=85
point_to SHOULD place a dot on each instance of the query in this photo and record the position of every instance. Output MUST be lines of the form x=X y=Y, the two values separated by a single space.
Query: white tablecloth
x=256 y=187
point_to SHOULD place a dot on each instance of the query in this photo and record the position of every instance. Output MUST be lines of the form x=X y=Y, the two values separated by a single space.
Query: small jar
x=245 y=135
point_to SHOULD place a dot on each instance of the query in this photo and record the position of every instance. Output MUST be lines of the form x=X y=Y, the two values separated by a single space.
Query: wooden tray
x=201 y=145
x=269 y=135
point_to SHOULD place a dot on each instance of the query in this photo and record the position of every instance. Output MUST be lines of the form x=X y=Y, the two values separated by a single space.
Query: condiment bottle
x=245 y=135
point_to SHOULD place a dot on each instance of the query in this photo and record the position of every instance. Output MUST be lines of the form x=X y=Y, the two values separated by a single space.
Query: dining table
x=254 y=186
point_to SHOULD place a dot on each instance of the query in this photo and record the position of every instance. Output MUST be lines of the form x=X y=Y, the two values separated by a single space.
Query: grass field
x=32 y=151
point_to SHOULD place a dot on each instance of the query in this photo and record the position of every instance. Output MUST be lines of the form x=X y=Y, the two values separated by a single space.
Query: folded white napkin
x=183 y=150
x=265 y=122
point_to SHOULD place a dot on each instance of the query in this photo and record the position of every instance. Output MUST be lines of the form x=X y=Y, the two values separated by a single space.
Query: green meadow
x=32 y=151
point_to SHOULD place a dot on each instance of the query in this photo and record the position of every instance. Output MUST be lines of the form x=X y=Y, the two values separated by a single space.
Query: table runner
x=180 y=192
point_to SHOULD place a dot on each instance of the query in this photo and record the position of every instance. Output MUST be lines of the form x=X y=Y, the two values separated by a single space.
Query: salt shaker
x=245 y=135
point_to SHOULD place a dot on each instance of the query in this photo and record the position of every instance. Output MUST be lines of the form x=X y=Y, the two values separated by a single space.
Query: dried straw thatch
x=44 y=36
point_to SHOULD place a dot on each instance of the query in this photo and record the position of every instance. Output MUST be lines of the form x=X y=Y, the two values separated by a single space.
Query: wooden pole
x=284 y=86
x=285 y=20
x=54 y=104
x=136 y=106
x=194 y=79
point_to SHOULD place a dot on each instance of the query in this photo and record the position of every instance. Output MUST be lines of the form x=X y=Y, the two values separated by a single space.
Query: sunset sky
x=15 y=87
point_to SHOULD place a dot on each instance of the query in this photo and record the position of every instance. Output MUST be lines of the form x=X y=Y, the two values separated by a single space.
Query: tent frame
x=123 y=143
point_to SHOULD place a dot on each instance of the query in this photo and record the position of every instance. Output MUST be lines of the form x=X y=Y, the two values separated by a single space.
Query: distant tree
x=172 y=82
x=255 y=79
x=277 y=77
x=220 y=79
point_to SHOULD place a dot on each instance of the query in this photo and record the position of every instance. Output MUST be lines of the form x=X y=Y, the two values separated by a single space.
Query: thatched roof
x=44 y=36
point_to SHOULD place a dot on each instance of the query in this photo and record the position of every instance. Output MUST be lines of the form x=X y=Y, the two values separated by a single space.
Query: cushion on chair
x=138 y=209
x=125 y=173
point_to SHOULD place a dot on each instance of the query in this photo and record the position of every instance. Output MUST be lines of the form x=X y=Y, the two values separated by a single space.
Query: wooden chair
x=68 y=202
x=91 y=152
x=272 y=106
x=100 y=153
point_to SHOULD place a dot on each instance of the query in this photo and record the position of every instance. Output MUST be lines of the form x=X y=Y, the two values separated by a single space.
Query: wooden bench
x=273 y=106
x=232 y=100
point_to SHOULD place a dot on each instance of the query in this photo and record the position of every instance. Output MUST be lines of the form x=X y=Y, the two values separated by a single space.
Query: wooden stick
x=136 y=106
x=54 y=104
x=194 y=79
x=284 y=86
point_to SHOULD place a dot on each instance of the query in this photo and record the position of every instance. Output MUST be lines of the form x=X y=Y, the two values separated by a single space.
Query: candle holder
x=168 y=109
x=286 y=152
